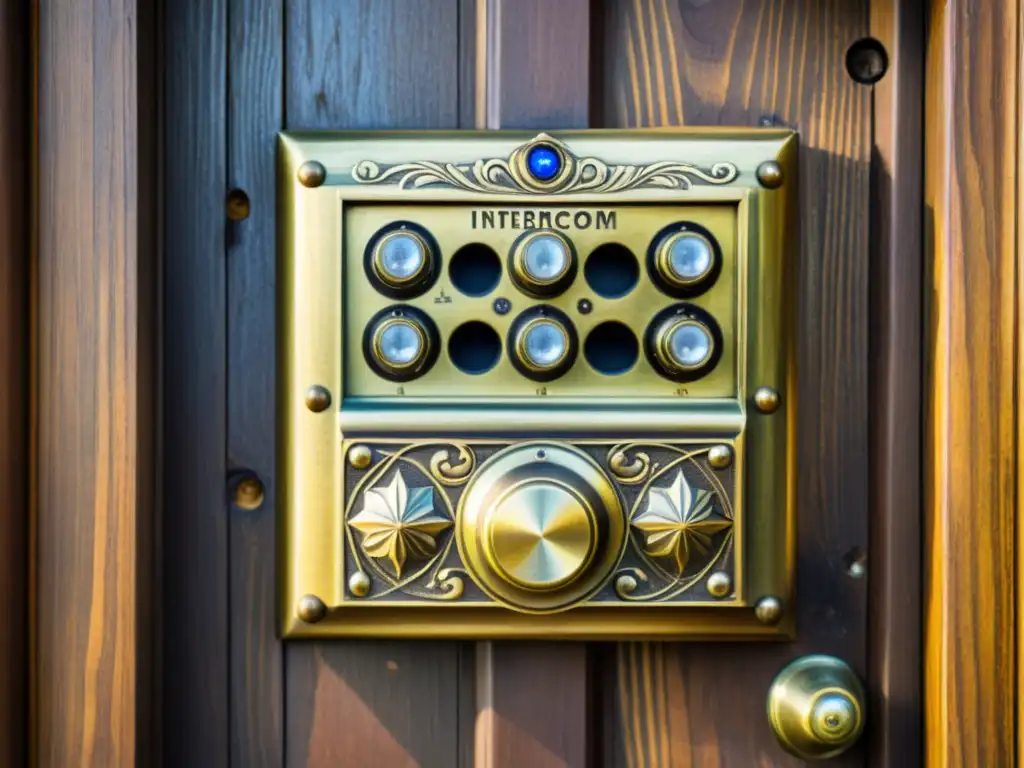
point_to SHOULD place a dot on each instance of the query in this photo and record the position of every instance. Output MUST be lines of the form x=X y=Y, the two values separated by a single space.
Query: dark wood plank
x=372 y=64
x=94 y=325
x=196 y=607
x=671 y=62
x=971 y=455
x=256 y=78
x=15 y=187
x=531 y=64
x=894 y=567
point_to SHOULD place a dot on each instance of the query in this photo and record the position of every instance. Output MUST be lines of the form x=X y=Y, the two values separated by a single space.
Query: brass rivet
x=769 y=173
x=237 y=204
x=312 y=174
x=766 y=399
x=318 y=398
x=625 y=584
x=249 y=493
x=768 y=610
x=720 y=456
x=311 y=609
x=719 y=584
x=359 y=584
x=360 y=456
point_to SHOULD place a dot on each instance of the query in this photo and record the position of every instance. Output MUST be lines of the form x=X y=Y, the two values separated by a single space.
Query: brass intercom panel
x=537 y=385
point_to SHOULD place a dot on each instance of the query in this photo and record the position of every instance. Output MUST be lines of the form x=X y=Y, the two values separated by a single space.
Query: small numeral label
x=682 y=392
x=542 y=390
x=401 y=390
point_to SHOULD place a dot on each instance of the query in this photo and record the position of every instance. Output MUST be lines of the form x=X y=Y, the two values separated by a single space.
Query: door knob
x=816 y=707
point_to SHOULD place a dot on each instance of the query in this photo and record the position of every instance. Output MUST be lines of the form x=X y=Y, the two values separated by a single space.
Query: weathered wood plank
x=674 y=62
x=256 y=78
x=15 y=176
x=196 y=606
x=94 y=362
x=971 y=253
x=372 y=64
x=531 y=61
x=894 y=565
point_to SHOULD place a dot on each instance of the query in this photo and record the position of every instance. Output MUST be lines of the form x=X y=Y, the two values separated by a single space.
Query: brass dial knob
x=685 y=260
x=400 y=343
x=684 y=343
x=402 y=260
x=540 y=527
x=543 y=263
x=816 y=707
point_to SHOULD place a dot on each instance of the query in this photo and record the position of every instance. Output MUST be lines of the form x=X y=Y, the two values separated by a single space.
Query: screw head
x=502 y=306
x=719 y=584
x=769 y=173
x=360 y=456
x=359 y=584
x=768 y=610
x=766 y=399
x=720 y=456
x=584 y=306
x=312 y=174
x=318 y=398
x=249 y=493
x=311 y=609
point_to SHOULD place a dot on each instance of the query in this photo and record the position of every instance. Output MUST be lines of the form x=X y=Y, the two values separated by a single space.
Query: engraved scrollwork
x=627 y=580
x=450 y=584
x=442 y=469
x=627 y=471
x=502 y=176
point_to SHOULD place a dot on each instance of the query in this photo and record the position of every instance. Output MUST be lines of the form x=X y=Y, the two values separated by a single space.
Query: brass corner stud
x=312 y=174
x=359 y=584
x=769 y=174
x=720 y=456
x=719 y=584
x=360 y=456
x=766 y=399
x=768 y=610
x=249 y=493
x=311 y=609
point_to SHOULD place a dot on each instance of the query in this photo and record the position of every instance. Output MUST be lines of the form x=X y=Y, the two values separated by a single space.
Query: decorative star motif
x=679 y=523
x=398 y=522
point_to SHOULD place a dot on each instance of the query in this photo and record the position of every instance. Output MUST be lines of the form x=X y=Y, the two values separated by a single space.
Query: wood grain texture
x=685 y=62
x=531 y=65
x=15 y=171
x=372 y=64
x=94 y=294
x=256 y=81
x=894 y=566
x=970 y=456
x=196 y=608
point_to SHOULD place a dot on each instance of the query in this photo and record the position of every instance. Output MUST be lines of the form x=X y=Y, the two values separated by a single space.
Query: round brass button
x=540 y=527
x=541 y=534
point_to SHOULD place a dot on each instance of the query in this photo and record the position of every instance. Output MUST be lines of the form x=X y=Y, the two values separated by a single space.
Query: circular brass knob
x=400 y=343
x=402 y=260
x=685 y=258
x=542 y=343
x=543 y=263
x=684 y=343
x=540 y=527
x=816 y=707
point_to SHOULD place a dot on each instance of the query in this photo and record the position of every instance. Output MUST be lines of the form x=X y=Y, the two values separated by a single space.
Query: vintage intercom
x=537 y=385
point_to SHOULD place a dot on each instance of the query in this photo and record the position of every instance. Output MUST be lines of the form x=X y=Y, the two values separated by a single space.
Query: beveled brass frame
x=322 y=172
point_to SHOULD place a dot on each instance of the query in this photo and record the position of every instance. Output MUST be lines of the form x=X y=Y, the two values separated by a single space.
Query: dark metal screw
x=584 y=306
x=502 y=306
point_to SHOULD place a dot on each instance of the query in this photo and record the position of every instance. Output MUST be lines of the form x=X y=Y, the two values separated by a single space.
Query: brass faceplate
x=437 y=500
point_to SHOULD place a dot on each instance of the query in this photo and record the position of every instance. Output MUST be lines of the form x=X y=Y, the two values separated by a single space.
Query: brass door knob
x=816 y=707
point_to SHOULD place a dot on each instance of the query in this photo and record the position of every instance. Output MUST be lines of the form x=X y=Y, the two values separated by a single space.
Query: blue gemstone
x=544 y=163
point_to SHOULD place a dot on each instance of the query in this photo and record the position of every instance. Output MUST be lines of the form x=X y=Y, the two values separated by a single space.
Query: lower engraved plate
x=542 y=526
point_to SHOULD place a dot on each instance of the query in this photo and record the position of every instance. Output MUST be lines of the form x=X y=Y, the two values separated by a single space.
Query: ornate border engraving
x=502 y=176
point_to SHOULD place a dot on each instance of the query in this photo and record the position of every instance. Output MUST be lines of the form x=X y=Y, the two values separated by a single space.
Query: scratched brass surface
x=371 y=487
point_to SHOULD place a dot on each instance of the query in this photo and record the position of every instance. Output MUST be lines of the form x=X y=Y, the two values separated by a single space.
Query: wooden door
x=238 y=72
x=147 y=415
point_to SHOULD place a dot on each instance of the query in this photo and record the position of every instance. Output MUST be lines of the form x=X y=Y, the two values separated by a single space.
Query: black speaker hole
x=612 y=271
x=611 y=348
x=475 y=269
x=474 y=347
